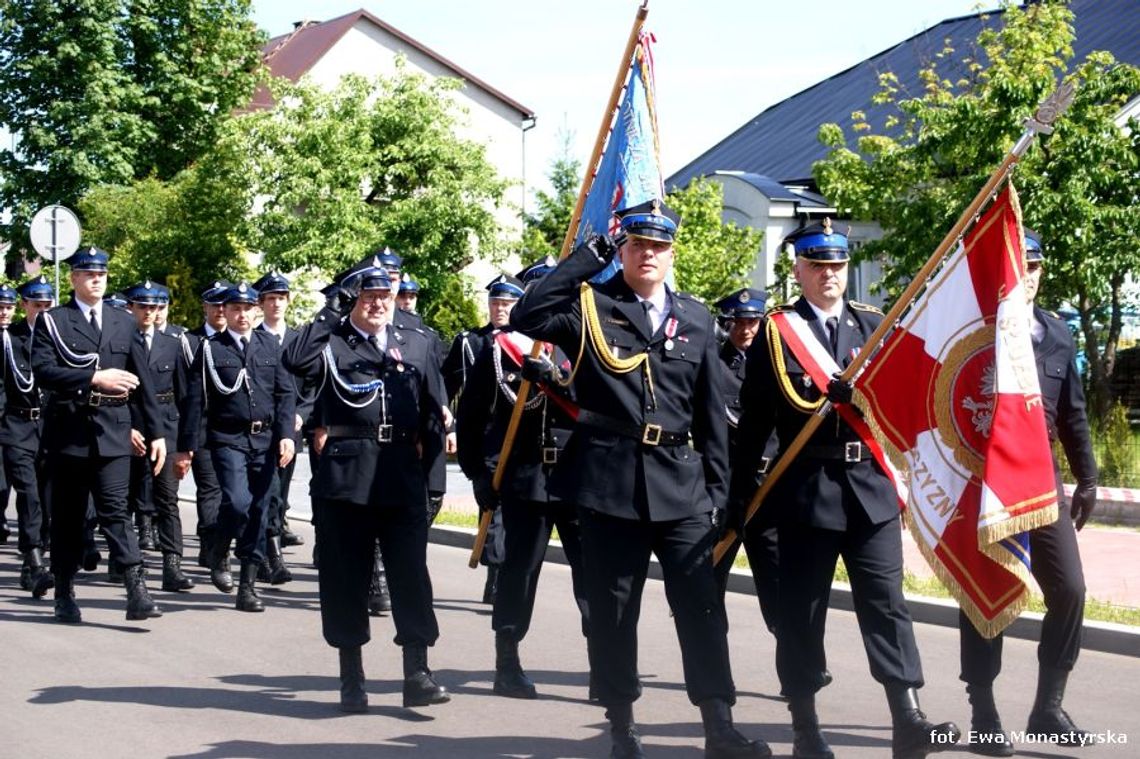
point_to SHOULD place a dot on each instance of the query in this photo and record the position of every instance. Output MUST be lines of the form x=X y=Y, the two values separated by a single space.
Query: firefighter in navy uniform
x=85 y=356
x=529 y=511
x=274 y=296
x=834 y=501
x=239 y=383
x=648 y=380
x=164 y=354
x=381 y=404
x=502 y=294
x=742 y=312
x=1056 y=556
x=207 y=491
x=20 y=430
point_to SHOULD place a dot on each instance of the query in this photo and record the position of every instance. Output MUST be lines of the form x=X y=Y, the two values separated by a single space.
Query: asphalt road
x=208 y=681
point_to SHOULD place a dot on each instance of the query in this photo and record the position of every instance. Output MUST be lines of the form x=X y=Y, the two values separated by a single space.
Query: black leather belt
x=381 y=433
x=255 y=427
x=27 y=414
x=852 y=453
x=100 y=399
x=647 y=434
x=167 y=397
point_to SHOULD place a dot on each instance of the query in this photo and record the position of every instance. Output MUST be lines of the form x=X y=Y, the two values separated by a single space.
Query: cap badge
x=826 y=225
x=743 y=296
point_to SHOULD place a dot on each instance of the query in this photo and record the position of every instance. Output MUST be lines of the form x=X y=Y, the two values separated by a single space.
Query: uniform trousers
x=872 y=554
x=761 y=546
x=495 y=549
x=245 y=477
x=163 y=503
x=1056 y=565
x=347 y=534
x=528 y=525
x=615 y=557
x=21 y=468
x=279 y=496
x=207 y=494
x=76 y=481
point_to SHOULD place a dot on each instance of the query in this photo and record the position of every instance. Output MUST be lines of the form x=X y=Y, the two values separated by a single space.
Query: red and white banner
x=954 y=401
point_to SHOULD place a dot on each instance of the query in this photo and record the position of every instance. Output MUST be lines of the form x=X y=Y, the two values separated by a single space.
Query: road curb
x=1095 y=636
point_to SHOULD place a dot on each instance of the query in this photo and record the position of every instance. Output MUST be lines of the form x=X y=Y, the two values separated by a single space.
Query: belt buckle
x=33 y=415
x=853 y=452
x=549 y=454
x=94 y=399
x=765 y=463
x=255 y=428
x=651 y=434
x=384 y=433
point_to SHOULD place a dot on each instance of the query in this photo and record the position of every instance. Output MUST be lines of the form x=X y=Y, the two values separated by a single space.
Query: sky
x=718 y=63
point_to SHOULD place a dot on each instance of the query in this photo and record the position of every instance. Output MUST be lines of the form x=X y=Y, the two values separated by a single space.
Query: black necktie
x=95 y=324
x=833 y=335
x=145 y=344
x=243 y=343
x=645 y=306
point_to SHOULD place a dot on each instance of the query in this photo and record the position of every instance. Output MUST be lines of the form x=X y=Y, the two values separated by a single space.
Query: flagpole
x=1047 y=112
x=571 y=232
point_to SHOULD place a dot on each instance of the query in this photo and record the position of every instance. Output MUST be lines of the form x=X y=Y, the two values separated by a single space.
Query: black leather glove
x=435 y=505
x=603 y=247
x=839 y=391
x=340 y=300
x=1082 y=504
x=539 y=370
x=485 y=495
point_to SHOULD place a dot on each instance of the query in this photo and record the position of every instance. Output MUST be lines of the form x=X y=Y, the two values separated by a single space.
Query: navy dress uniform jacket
x=460 y=360
x=17 y=428
x=810 y=493
x=267 y=398
x=1064 y=398
x=72 y=425
x=611 y=473
x=357 y=467
x=169 y=372
x=481 y=425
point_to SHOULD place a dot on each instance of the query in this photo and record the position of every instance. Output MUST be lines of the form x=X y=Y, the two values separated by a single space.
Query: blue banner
x=629 y=171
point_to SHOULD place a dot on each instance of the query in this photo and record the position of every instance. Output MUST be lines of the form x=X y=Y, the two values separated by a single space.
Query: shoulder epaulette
x=693 y=298
x=781 y=307
x=864 y=307
x=1054 y=314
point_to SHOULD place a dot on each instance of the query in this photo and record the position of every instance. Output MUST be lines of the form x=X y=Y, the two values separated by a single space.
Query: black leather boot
x=379 y=598
x=41 y=580
x=420 y=689
x=91 y=557
x=722 y=739
x=624 y=738
x=491 y=585
x=279 y=574
x=510 y=680
x=25 y=574
x=146 y=533
x=987 y=736
x=807 y=740
x=173 y=579
x=139 y=603
x=219 y=558
x=290 y=538
x=1048 y=719
x=66 y=610
x=204 y=550
x=247 y=598
x=913 y=736
x=115 y=573
x=353 y=696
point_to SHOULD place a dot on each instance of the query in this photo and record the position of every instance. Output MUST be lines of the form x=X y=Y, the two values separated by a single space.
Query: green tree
x=371 y=163
x=108 y=91
x=545 y=229
x=184 y=232
x=713 y=258
x=916 y=171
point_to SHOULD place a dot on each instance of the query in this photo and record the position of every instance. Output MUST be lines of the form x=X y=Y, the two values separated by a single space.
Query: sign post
x=54 y=232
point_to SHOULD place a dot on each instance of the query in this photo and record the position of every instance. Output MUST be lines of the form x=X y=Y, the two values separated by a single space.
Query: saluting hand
x=158 y=454
x=287 y=449
x=114 y=381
